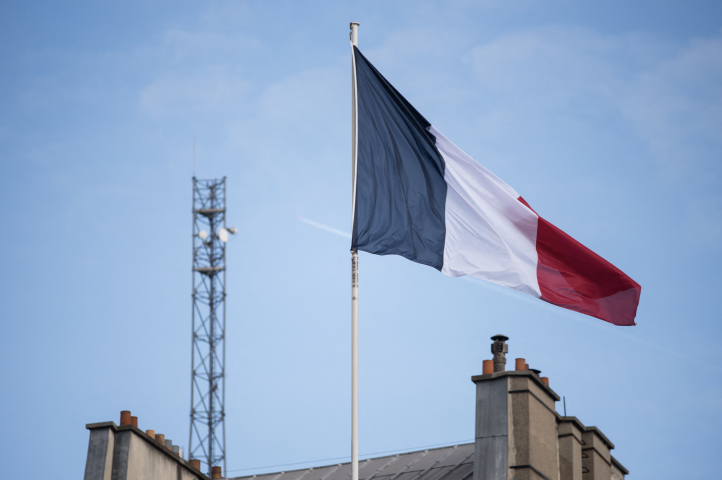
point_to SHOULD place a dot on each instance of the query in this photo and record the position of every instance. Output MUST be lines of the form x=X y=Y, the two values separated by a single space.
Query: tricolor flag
x=418 y=195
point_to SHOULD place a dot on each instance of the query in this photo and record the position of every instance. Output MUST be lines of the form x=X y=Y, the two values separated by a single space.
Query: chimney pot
x=134 y=421
x=195 y=463
x=499 y=348
x=168 y=443
x=526 y=366
x=216 y=472
x=488 y=367
x=519 y=366
x=160 y=438
x=150 y=433
x=125 y=418
x=545 y=380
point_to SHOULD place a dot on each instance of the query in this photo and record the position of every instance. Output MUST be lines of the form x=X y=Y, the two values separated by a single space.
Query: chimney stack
x=516 y=424
x=596 y=455
x=124 y=451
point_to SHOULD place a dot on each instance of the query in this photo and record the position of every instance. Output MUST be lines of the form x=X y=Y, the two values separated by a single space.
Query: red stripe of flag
x=573 y=277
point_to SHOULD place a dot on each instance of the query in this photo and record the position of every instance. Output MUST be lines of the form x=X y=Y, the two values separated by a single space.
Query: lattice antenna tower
x=208 y=380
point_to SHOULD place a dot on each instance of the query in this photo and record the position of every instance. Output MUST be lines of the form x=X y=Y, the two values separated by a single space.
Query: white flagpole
x=354 y=269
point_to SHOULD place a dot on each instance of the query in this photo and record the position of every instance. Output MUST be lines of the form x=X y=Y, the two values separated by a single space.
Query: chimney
x=516 y=424
x=584 y=453
x=126 y=452
x=499 y=348
x=570 y=448
x=216 y=472
x=596 y=455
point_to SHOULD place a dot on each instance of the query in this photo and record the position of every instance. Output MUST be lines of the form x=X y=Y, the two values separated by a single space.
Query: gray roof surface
x=445 y=463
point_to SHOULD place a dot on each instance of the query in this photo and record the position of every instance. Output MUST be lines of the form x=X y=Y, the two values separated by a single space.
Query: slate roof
x=445 y=463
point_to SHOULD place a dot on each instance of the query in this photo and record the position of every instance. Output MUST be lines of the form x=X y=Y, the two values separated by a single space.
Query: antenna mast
x=208 y=357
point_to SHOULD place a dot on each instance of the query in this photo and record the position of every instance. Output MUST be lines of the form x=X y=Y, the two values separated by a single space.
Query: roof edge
x=616 y=463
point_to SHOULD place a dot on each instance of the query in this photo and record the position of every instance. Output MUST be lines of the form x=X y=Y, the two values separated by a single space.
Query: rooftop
x=445 y=463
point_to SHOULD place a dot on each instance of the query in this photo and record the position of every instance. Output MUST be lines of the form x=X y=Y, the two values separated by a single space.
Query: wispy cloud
x=669 y=94
x=203 y=91
x=326 y=228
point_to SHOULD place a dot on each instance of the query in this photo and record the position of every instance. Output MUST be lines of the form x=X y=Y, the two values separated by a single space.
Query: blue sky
x=605 y=116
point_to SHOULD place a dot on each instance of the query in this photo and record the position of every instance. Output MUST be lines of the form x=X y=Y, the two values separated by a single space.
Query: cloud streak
x=538 y=304
x=325 y=228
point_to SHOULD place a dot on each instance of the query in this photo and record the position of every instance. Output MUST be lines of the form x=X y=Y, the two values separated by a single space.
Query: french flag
x=418 y=195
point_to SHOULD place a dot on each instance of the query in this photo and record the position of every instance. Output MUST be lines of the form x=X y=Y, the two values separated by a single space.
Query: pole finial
x=354 y=32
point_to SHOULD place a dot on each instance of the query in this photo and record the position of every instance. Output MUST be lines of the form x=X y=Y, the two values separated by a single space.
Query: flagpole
x=354 y=272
